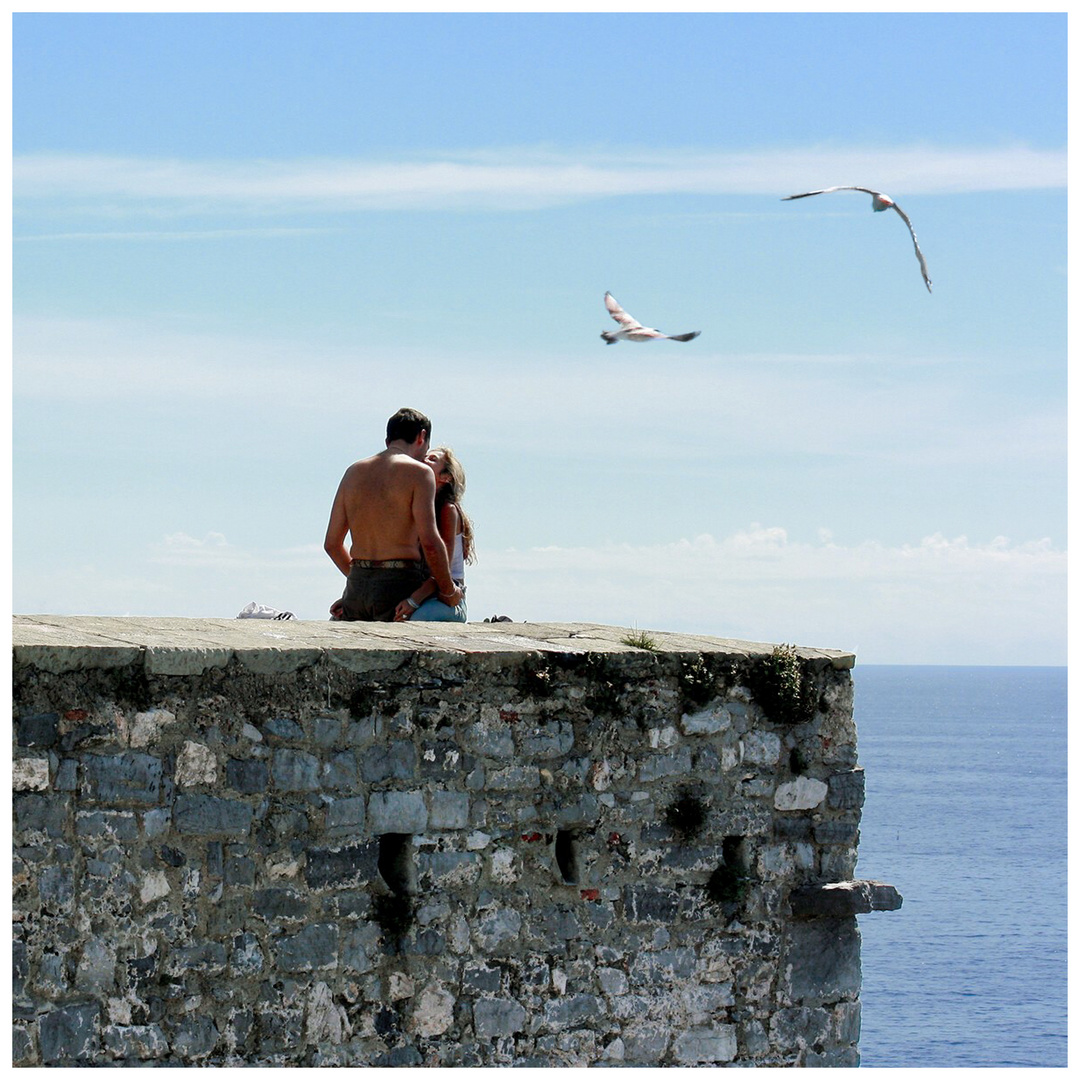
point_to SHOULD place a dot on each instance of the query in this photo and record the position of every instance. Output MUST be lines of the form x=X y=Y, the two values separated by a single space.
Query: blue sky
x=242 y=241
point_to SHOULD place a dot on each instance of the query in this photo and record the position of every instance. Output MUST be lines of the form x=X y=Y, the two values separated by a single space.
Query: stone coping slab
x=178 y=646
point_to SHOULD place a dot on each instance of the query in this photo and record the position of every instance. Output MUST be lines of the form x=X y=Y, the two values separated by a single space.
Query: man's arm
x=428 y=532
x=336 y=531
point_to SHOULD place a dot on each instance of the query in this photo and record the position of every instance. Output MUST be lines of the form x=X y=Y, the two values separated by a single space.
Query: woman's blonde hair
x=451 y=492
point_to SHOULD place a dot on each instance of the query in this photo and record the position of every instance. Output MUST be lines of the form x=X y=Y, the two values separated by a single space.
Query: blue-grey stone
x=207 y=957
x=56 y=887
x=353 y=865
x=448 y=810
x=847 y=790
x=69 y=1033
x=571 y=1011
x=678 y=763
x=340 y=773
x=122 y=778
x=295 y=770
x=326 y=730
x=552 y=740
x=394 y=762
x=22 y=1046
x=282 y=729
x=312 y=948
x=38 y=729
x=246 y=958
x=136 y=1042
x=194 y=1037
x=67 y=775
x=345 y=817
x=120 y=824
x=650 y=903
x=41 y=813
x=821 y=960
x=279 y=904
x=247 y=777
x=207 y=815
x=481 y=979
x=494 y=1018
x=397 y=812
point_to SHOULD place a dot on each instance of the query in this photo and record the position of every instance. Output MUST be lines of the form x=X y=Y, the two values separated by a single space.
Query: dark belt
x=388 y=564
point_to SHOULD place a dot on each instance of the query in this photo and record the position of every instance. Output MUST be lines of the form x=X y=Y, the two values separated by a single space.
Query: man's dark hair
x=406 y=424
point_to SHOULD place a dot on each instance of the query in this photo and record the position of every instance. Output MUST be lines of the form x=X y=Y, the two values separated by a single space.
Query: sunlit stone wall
x=296 y=843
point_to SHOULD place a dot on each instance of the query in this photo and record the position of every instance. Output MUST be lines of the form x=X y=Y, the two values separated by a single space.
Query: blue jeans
x=434 y=610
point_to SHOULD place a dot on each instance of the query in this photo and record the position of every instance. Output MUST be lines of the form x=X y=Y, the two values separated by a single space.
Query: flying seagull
x=880 y=202
x=632 y=330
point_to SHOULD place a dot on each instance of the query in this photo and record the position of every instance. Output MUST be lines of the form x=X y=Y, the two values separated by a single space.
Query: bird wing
x=825 y=191
x=918 y=250
x=620 y=316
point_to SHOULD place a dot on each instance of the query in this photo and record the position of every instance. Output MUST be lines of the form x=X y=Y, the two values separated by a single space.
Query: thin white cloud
x=995 y=602
x=936 y=600
x=514 y=178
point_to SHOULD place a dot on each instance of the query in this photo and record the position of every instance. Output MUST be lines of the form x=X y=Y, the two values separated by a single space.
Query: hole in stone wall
x=728 y=882
x=396 y=863
x=566 y=856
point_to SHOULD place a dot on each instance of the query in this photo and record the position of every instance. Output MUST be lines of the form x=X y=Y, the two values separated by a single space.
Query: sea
x=965 y=815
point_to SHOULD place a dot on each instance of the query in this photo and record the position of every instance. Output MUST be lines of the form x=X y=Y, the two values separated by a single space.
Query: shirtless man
x=387 y=504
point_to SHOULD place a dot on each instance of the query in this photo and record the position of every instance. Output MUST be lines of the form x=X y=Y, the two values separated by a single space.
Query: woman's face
x=436 y=460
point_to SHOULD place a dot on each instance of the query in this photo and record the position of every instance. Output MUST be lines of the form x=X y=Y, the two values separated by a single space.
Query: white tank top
x=457 y=560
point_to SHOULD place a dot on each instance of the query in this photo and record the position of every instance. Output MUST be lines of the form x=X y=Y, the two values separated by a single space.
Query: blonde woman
x=456 y=530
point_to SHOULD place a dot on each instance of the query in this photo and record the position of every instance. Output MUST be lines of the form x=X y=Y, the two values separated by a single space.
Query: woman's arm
x=448 y=527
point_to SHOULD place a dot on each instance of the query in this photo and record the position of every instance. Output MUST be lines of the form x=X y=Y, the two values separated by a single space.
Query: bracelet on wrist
x=412 y=603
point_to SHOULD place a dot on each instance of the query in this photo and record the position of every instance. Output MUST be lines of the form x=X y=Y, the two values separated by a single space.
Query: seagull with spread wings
x=880 y=202
x=632 y=330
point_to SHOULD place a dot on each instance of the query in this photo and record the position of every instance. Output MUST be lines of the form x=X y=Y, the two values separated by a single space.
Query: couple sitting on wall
x=410 y=538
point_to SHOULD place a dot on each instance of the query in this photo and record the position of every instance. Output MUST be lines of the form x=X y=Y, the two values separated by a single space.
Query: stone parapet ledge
x=840 y=899
x=173 y=646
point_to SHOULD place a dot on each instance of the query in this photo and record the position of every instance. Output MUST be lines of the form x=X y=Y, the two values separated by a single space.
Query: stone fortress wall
x=296 y=843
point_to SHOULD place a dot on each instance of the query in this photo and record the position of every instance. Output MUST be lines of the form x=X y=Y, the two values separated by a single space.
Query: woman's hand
x=403 y=611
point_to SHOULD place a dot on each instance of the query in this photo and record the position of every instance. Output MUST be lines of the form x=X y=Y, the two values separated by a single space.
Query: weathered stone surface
x=122 y=778
x=70 y=1033
x=197 y=764
x=841 y=898
x=30 y=774
x=496 y=1017
x=706 y=1045
x=802 y=793
x=821 y=961
x=207 y=815
x=397 y=812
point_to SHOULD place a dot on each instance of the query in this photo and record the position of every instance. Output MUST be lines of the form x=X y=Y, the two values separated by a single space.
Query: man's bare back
x=386 y=505
x=380 y=496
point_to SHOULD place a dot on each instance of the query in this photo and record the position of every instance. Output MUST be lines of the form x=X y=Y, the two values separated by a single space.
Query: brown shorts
x=372 y=593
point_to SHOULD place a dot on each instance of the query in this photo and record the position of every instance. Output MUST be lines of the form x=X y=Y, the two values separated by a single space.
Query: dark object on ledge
x=841 y=898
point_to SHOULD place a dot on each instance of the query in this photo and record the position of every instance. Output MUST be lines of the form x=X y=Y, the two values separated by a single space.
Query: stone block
x=41 y=813
x=135 y=1042
x=38 y=729
x=514 y=778
x=802 y=793
x=433 y=1012
x=207 y=815
x=147 y=727
x=703 y=1045
x=397 y=812
x=847 y=790
x=294 y=770
x=312 y=949
x=196 y=764
x=122 y=778
x=30 y=774
x=495 y=1018
x=70 y=1033
x=658 y=766
x=340 y=773
x=345 y=817
x=448 y=810
x=820 y=961
x=551 y=740
x=247 y=777
x=194 y=1038
x=356 y=864
x=394 y=762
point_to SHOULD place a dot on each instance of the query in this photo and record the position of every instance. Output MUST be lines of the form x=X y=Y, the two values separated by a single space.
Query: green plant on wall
x=780 y=686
